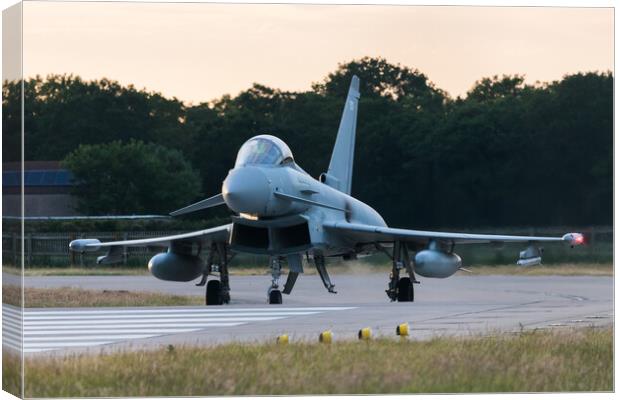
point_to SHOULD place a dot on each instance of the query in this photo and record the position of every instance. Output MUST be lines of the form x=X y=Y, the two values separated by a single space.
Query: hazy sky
x=198 y=52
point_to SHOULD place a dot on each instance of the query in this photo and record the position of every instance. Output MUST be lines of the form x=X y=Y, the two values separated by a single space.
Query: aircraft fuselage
x=277 y=215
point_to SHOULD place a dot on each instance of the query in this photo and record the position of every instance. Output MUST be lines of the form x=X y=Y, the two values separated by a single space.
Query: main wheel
x=275 y=297
x=214 y=293
x=405 y=290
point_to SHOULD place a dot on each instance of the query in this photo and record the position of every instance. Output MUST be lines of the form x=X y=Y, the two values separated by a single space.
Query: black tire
x=405 y=290
x=214 y=293
x=275 y=297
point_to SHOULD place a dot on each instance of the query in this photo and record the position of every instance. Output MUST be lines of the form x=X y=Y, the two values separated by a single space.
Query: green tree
x=63 y=111
x=379 y=78
x=507 y=153
x=496 y=88
x=11 y=120
x=571 y=125
x=131 y=178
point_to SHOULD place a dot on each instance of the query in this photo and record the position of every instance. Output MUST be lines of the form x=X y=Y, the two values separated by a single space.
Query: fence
x=52 y=249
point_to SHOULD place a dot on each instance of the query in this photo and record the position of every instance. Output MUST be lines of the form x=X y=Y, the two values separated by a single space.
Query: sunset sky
x=198 y=52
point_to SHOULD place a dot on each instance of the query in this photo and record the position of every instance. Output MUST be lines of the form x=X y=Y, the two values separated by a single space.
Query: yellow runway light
x=364 y=334
x=325 y=337
x=402 y=330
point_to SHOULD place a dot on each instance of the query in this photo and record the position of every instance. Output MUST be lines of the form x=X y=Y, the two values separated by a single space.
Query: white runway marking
x=45 y=330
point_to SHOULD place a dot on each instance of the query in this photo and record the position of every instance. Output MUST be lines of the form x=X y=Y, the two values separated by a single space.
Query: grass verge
x=354 y=267
x=73 y=271
x=120 y=271
x=575 y=360
x=72 y=297
x=539 y=270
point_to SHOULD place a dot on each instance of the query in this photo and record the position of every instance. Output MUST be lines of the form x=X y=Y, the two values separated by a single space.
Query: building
x=47 y=188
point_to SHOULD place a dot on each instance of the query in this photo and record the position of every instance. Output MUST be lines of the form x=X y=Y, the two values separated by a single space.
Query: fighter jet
x=283 y=212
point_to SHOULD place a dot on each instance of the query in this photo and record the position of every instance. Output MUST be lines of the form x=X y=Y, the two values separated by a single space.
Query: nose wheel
x=275 y=297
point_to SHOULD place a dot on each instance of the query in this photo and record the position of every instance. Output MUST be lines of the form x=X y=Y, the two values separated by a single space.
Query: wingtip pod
x=575 y=239
x=81 y=245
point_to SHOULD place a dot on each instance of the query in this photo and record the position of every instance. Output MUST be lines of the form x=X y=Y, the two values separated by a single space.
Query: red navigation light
x=575 y=239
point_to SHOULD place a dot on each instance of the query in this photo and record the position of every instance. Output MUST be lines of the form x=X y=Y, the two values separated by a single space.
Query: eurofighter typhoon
x=283 y=212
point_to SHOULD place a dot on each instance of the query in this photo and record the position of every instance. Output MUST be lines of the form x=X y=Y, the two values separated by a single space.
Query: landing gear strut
x=319 y=262
x=217 y=290
x=401 y=289
x=275 y=296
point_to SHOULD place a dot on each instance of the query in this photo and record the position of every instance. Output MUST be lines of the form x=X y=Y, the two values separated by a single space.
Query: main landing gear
x=217 y=290
x=400 y=288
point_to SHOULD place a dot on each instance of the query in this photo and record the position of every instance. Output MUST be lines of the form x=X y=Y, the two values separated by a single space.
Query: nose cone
x=246 y=190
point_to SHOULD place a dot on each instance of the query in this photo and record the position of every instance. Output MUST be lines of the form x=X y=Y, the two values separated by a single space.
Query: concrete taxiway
x=460 y=305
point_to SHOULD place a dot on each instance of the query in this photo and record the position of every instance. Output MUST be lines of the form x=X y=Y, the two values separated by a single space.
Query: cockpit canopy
x=263 y=150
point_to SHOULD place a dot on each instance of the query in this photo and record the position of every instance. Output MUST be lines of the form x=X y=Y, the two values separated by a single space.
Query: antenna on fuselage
x=340 y=171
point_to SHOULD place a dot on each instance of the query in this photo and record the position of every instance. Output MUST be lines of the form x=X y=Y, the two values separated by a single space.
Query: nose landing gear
x=273 y=293
x=275 y=297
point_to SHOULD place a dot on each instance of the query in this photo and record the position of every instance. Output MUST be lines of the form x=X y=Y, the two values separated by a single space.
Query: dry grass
x=91 y=271
x=72 y=297
x=539 y=270
x=575 y=360
x=12 y=295
x=119 y=271
x=11 y=373
x=350 y=267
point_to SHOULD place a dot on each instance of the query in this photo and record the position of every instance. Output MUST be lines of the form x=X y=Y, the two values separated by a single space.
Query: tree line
x=507 y=153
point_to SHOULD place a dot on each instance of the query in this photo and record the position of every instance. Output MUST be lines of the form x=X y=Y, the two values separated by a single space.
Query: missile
x=529 y=262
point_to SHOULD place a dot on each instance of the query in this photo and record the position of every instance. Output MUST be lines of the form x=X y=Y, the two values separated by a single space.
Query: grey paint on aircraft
x=340 y=171
x=284 y=212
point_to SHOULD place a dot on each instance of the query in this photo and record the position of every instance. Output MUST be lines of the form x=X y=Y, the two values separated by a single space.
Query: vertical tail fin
x=340 y=171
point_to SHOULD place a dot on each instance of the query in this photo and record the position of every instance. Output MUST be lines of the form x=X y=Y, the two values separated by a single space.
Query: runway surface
x=460 y=305
x=48 y=330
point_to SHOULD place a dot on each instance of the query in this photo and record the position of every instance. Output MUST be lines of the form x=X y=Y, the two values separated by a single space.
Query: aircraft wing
x=204 y=237
x=360 y=233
